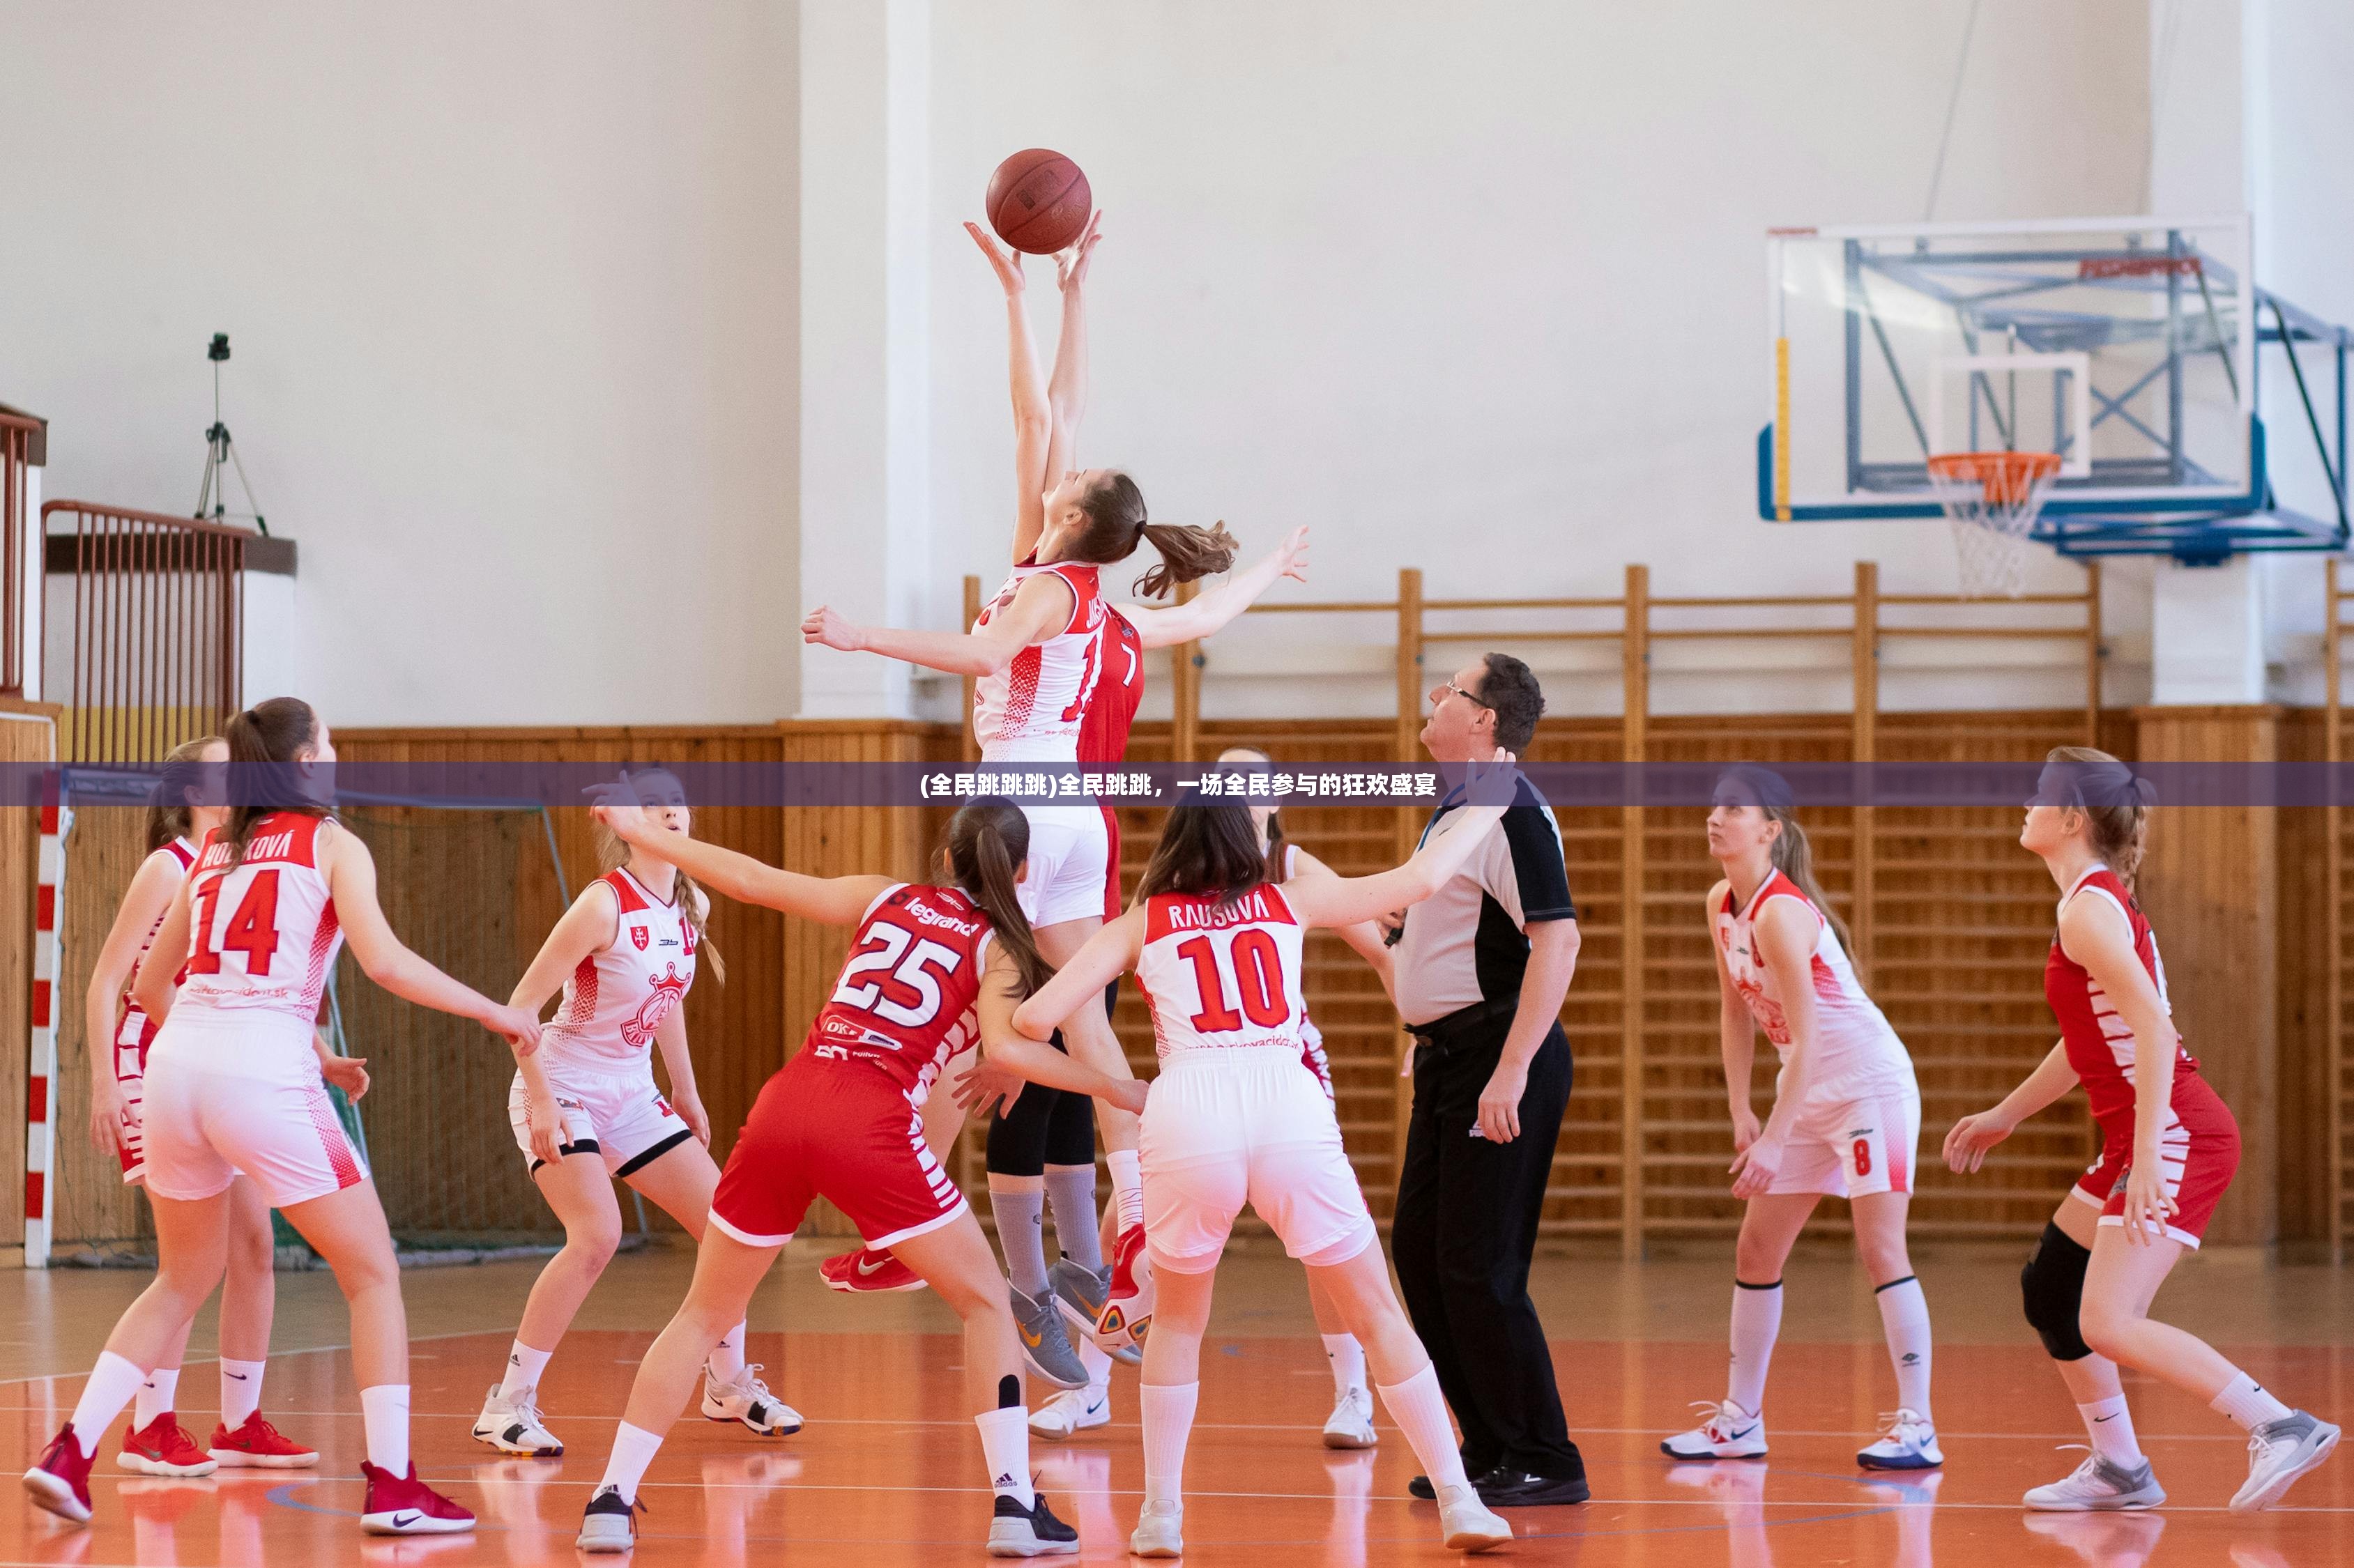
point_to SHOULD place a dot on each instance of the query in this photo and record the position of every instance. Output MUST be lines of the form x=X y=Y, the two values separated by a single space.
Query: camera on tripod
x=212 y=495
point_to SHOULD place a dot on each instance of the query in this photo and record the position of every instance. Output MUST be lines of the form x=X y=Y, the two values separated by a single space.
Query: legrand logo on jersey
x=1208 y=915
x=924 y=916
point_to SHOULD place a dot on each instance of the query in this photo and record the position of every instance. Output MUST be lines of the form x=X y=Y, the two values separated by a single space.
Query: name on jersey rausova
x=1208 y=915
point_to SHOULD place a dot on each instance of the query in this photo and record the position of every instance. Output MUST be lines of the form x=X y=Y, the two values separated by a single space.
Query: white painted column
x=2207 y=634
x=866 y=527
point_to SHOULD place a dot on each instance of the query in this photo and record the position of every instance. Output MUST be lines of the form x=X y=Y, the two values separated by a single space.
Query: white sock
x=114 y=1383
x=1096 y=1362
x=727 y=1360
x=1005 y=1445
x=1348 y=1358
x=2244 y=1399
x=1904 y=1318
x=156 y=1396
x=1127 y=1185
x=384 y=1412
x=2109 y=1424
x=240 y=1391
x=1168 y=1412
x=523 y=1367
x=1757 y=1324
x=1420 y=1411
x=634 y=1449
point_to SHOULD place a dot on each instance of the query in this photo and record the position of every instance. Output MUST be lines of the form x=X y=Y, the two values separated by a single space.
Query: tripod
x=220 y=454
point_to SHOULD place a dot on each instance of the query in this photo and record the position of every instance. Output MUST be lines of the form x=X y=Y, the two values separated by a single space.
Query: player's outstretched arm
x=1345 y=900
x=1164 y=625
x=1106 y=956
x=831 y=900
x=158 y=983
x=351 y=882
x=1002 y=1044
x=1040 y=609
x=1033 y=425
x=1066 y=387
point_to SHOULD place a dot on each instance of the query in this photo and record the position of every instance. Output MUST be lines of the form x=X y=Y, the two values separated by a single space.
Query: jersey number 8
x=909 y=971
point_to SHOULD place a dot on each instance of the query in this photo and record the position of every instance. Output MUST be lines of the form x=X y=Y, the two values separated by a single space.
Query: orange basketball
x=1039 y=201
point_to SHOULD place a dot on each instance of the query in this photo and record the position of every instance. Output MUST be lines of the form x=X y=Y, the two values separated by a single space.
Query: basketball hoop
x=1992 y=500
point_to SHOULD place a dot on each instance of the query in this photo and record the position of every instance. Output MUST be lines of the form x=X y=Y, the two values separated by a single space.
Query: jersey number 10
x=1258 y=971
x=252 y=930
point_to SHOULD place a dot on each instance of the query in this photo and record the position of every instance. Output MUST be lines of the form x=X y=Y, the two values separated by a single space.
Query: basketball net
x=1992 y=500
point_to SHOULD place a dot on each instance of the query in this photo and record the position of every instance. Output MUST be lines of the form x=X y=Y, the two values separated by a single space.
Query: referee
x=1482 y=967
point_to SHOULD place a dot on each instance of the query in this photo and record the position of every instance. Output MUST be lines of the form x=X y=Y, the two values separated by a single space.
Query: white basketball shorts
x=1853 y=1147
x=619 y=1115
x=237 y=1090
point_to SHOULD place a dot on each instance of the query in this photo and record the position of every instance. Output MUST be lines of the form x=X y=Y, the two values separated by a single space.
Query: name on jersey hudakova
x=278 y=844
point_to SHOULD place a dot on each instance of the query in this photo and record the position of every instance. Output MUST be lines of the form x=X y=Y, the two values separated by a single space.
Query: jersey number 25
x=905 y=992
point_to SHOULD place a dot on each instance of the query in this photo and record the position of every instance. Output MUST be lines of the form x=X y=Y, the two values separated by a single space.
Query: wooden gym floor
x=885 y=1471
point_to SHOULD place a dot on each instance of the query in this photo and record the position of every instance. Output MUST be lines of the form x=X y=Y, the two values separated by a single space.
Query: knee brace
x=2052 y=1287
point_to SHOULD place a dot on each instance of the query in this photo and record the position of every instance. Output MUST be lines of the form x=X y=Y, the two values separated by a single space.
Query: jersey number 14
x=252 y=930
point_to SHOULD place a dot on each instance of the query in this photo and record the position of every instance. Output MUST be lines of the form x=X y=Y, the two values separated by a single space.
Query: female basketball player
x=586 y=1110
x=1847 y=1115
x=1039 y=649
x=1350 y=1425
x=233 y=1086
x=2169 y=1147
x=188 y=803
x=932 y=968
x=1236 y=1114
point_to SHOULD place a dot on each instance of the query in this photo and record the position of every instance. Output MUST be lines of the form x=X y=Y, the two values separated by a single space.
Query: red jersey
x=1103 y=728
x=903 y=1004
x=262 y=933
x=2099 y=1042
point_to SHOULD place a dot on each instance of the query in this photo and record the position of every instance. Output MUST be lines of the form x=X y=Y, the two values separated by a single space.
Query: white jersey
x=261 y=933
x=1029 y=711
x=1222 y=977
x=1855 y=1048
x=132 y=1027
x=619 y=995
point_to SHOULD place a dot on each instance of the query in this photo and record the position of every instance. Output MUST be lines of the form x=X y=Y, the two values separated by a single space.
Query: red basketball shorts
x=841 y=1131
x=2199 y=1153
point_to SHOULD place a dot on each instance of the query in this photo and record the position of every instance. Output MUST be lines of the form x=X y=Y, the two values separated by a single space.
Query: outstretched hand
x=1291 y=555
x=984 y=1086
x=1071 y=265
x=1495 y=782
x=1008 y=267
x=616 y=806
x=828 y=628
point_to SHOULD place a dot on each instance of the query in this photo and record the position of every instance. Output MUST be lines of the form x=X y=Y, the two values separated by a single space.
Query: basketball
x=1039 y=201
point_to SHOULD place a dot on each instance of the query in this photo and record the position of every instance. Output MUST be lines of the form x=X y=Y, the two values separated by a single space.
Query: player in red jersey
x=586 y=1112
x=1037 y=652
x=1236 y=1116
x=931 y=971
x=2169 y=1147
x=233 y=1086
x=188 y=804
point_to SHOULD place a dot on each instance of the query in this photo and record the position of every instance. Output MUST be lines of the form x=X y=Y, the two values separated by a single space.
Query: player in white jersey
x=586 y=1110
x=233 y=1086
x=1236 y=1116
x=1847 y=1114
x=1350 y=1425
x=1036 y=654
x=188 y=803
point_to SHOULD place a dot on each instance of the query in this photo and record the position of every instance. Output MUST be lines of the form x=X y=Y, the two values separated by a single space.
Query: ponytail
x=267 y=738
x=2115 y=802
x=168 y=816
x=987 y=842
x=1116 y=524
x=1793 y=854
x=693 y=904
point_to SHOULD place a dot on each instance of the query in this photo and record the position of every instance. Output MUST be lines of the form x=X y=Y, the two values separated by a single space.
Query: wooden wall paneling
x=27 y=735
x=94 y=1205
x=2302 y=1002
x=2210 y=885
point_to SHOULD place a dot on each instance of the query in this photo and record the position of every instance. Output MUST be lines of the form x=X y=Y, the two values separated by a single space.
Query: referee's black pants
x=1466 y=1227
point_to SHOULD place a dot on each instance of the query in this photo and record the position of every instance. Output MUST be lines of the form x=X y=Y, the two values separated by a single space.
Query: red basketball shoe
x=60 y=1479
x=162 y=1447
x=259 y=1444
x=1127 y=1315
x=867 y=1272
x=403 y=1505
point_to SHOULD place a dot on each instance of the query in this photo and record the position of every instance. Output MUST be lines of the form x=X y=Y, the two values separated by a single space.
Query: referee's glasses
x=1456 y=691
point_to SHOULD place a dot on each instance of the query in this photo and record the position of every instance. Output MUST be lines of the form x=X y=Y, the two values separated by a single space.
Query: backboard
x=2125 y=346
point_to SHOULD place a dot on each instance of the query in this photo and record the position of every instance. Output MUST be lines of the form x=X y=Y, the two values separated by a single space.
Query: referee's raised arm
x=1481 y=970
